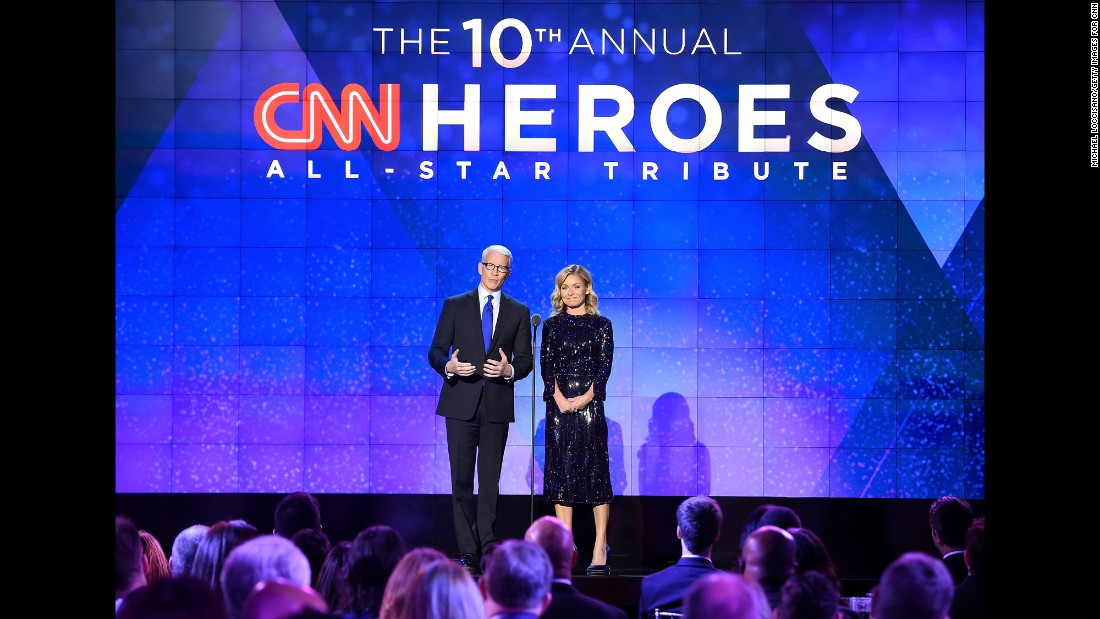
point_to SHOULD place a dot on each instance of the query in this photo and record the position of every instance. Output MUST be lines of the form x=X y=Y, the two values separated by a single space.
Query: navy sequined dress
x=576 y=352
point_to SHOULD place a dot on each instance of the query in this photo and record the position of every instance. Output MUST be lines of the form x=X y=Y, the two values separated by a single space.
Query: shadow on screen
x=672 y=461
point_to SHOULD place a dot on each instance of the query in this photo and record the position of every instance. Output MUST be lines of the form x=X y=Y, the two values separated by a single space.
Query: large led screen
x=782 y=205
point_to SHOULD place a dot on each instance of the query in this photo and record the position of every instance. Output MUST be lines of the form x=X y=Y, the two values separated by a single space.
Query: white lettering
x=515 y=117
x=469 y=116
x=588 y=123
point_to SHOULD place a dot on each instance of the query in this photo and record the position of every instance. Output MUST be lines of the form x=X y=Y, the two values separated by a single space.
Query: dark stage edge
x=863 y=535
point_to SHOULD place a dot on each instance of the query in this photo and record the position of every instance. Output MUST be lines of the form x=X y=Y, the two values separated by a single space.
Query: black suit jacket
x=459 y=327
x=956 y=564
x=566 y=602
x=665 y=589
x=969 y=599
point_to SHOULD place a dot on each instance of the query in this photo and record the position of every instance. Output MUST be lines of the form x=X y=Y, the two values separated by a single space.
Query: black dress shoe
x=470 y=562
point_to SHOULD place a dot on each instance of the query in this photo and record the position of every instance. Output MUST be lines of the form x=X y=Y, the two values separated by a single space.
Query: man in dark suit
x=698 y=525
x=481 y=347
x=567 y=602
x=950 y=517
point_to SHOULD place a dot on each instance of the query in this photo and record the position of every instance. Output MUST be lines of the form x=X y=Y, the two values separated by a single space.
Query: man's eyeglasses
x=496 y=268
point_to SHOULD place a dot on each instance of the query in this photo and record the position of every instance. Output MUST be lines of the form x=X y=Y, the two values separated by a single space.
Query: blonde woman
x=577 y=351
x=439 y=589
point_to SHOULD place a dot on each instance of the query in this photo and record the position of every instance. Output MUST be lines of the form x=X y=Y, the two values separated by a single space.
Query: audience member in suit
x=808 y=595
x=556 y=539
x=913 y=586
x=184 y=547
x=154 y=555
x=297 y=511
x=374 y=555
x=404 y=574
x=278 y=598
x=768 y=559
x=130 y=562
x=949 y=518
x=332 y=578
x=698 y=525
x=768 y=513
x=315 y=545
x=222 y=537
x=811 y=555
x=515 y=581
x=176 y=597
x=262 y=558
x=477 y=393
x=443 y=590
x=969 y=599
x=722 y=595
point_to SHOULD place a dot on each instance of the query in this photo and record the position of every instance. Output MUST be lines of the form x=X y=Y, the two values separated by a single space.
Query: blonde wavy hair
x=591 y=301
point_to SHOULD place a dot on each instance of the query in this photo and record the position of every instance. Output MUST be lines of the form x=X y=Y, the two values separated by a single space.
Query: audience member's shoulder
x=278 y=597
x=174 y=597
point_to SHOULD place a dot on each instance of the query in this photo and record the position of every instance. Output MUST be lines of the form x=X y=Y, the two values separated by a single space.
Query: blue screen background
x=783 y=337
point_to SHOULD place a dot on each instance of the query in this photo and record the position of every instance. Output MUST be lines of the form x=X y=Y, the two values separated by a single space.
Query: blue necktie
x=487 y=322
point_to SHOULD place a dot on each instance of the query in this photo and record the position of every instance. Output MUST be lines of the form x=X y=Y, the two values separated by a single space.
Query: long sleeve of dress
x=548 y=360
x=603 y=349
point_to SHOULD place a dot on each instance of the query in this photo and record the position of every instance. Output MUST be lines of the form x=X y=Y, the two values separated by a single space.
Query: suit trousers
x=476 y=442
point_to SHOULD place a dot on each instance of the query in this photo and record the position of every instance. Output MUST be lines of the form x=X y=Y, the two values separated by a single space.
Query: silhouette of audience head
x=222 y=537
x=332 y=578
x=913 y=586
x=722 y=595
x=699 y=524
x=184 y=547
x=278 y=598
x=405 y=573
x=516 y=577
x=769 y=555
x=808 y=595
x=175 y=597
x=374 y=554
x=975 y=547
x=768 y=513
x=156 y=563
x=768 y=559
x=297 y=511
x=969 y=598
x=556 y=540
x=441 y=589
x=130 y=562
x=262 y=558
x=811 y=555
x=315 y=545
x=949 y=518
